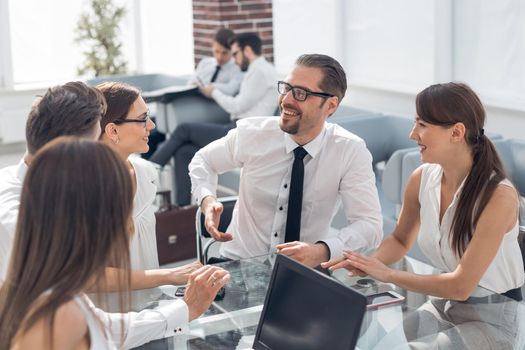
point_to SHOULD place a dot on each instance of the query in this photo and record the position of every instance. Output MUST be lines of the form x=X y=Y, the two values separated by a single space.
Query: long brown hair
x=446 y=105
x=73 y=222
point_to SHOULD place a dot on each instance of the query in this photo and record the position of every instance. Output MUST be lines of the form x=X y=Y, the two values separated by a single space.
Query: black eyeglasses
x=298 y=93
x=131 y=120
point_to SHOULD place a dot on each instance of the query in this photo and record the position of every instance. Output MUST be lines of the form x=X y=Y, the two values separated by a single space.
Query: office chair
x=202 y=233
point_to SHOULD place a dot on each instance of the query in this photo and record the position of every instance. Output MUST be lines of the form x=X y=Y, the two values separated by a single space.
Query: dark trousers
x=185 y=141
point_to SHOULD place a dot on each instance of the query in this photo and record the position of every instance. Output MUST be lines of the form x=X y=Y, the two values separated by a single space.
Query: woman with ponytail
x=460 y=206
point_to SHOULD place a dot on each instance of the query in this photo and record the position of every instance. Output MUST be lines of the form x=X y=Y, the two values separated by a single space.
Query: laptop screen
x=305 y=309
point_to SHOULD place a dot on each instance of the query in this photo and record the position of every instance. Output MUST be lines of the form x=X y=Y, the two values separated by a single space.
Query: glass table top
x=421 y=322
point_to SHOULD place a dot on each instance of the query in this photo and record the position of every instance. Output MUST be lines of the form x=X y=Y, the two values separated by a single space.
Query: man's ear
x=248 y=51
x=332 y=104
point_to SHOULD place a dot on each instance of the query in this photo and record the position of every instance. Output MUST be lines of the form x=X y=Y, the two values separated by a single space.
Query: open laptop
x=305 y=309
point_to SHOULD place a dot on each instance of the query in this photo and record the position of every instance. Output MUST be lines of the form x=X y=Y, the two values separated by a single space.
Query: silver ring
x=215 y=279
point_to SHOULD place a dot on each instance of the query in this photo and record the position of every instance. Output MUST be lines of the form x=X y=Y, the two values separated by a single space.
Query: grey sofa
x=182 y=108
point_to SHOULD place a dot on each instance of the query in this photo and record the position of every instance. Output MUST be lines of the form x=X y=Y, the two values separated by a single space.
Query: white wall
x=14 y=108
x=303 y=26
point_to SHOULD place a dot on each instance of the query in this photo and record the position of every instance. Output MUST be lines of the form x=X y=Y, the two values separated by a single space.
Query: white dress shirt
x=258 y=94
x=142 y=327
x=338 y=167
x=11 y=180
x=505 y=272
x=228 y=79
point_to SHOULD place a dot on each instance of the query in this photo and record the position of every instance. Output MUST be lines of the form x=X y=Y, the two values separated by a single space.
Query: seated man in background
x=72 y=109
x=256 y=97
x=219 y=70
x=295 y=169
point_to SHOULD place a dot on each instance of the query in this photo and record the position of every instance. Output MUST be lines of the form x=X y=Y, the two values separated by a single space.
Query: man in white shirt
x=257 y=96
x=75 y=109
x=72 y=109
x=219 y=70
x=336 y=167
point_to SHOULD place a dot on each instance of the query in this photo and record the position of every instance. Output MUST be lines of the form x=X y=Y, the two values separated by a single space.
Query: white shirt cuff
x=177 y=317
x=216 y=94
x=203 y=192
x=335 y=246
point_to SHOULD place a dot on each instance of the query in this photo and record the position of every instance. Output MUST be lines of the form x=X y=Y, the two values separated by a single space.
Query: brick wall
x=237 y=15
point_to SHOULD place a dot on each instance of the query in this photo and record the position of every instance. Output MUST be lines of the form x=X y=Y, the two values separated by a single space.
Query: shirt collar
x=22 y=170
x=313 y=147
x=256 y=62
x=228 y=64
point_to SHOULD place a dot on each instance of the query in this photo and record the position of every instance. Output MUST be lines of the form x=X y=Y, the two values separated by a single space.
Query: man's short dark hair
x=224 y=36
x=248 y=39
x=334 y=80
x=72 y=109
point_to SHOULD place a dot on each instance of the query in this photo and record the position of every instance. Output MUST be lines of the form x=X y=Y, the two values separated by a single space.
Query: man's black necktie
x=215 y=74
x=295 y=201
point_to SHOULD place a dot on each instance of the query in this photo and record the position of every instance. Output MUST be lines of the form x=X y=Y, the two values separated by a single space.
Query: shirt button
x=275 y=234
x=280 y=208
x=285 y=185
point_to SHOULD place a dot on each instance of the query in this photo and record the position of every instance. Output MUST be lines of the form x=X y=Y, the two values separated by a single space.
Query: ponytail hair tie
x=480 y=136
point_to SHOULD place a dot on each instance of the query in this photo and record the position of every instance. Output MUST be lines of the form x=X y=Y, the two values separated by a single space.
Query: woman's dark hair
x=73 y=222
x=446 y=105
x=119 y=98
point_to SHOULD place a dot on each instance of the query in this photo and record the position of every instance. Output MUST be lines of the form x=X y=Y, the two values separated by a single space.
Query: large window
x=405 y=45
x=42 y=47
x=157 y=38
x=398 y=47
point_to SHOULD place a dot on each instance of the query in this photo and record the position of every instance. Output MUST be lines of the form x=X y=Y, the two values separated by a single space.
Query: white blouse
x=143 y=250
x=506 y=270
x=99 y=336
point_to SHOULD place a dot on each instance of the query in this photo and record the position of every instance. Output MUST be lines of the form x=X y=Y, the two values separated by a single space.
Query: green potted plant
x=99 y=30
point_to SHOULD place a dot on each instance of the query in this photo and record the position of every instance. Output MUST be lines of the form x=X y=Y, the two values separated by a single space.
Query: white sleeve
x=147 y=325
x=198 y=71
x=8 y=220
x=216 y=158
x=231 y=88
x=361 y=205
x=253 y=89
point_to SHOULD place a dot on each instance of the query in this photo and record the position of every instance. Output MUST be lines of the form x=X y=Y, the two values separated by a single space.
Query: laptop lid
x=305 y=309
